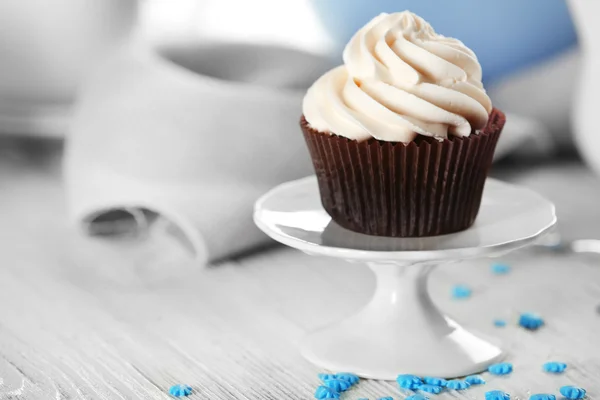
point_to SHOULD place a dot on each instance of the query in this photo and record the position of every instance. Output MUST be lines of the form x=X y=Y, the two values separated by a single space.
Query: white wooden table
x=85 y=318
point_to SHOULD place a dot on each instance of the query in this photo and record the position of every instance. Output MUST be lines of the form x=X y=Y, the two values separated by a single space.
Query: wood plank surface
x=89 y=318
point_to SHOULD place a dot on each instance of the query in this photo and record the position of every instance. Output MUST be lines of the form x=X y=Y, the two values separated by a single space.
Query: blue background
x=506 y=35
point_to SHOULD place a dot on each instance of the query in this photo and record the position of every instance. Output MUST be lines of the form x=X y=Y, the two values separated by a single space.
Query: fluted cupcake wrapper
x=423 y=188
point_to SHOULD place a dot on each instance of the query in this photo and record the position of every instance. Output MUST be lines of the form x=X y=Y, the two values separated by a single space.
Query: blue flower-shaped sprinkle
x=386 y=398
x=500 y=323
x=461 y=292
x=433 y=389
x=323 y=392
x=475 y=380
x=180 y=390
x=347 y=376
x=339 y=385
x=555 y=367
x=408 y=381
x=572 y=392
x=531 y=321
x=457 y=384
x=500 y=269
x=542 y=396
x=500 y=369
x=497 y=395
x=430 y=380
x=417 y=397
x=326 y=377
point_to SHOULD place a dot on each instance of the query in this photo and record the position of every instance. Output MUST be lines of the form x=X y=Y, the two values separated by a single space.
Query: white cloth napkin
x=149 y=134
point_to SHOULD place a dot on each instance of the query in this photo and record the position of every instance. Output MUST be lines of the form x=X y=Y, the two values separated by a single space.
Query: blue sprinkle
x=572 y=392
x=500 y=369
x=500 y=269
x=542 y=396
x=461 y=292
x=324 y=392
x=497 y=395
x=180 y=390
x=435 y=381
x=474 y=380
x=500 y=323
x=457 y=384
x=433 y=389
x=386 y=398
x=339 y=385
x=555 y=367
x=417 y=397
x=531 y=321
x=348 y=377
x=326 y=377
x=408 y=381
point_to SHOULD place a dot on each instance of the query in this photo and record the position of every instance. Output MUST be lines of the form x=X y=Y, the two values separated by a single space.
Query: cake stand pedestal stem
x=400 y=331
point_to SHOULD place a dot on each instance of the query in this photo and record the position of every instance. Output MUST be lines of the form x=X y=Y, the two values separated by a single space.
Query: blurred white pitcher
x=48 y=47
x=587 y=100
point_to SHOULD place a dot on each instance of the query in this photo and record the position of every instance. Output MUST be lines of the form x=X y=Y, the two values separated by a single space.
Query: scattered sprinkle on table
x=500 y=369
x=323 y=392
x=500 y=323
x=180 y=390
x=542 y=396
x=475 y=380
x=461 y=292
x=433 y=389
x=572 y=392
x=339 y=385
x=457 y=384
x=326 y=377
x=500 y=269
x=497 y=395
x=417 y=397
x=431 y=380
x=531 y=321
x=408 y=381
x=554 y=367
x=353 y=379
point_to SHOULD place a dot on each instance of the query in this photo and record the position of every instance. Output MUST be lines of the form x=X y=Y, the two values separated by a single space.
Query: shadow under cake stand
x=400 y=330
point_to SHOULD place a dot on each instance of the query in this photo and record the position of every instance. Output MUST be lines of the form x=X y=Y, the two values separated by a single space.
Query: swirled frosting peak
x=400 y=79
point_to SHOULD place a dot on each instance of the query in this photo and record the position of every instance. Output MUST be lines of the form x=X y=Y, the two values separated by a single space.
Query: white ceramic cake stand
x=400 y=330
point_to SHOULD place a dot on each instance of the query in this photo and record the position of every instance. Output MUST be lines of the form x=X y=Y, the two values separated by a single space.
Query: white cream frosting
x=400 y=79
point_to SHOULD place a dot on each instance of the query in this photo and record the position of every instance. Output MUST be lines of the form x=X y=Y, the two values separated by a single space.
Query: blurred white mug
x=48 y=47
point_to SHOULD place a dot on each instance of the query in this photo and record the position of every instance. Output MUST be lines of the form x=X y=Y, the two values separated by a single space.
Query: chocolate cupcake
x=403 y=134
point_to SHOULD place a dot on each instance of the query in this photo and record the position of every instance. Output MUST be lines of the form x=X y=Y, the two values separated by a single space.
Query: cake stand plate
x=400 y=330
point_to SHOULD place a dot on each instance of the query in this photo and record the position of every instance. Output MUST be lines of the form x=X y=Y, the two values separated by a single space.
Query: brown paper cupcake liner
x=423 y=188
